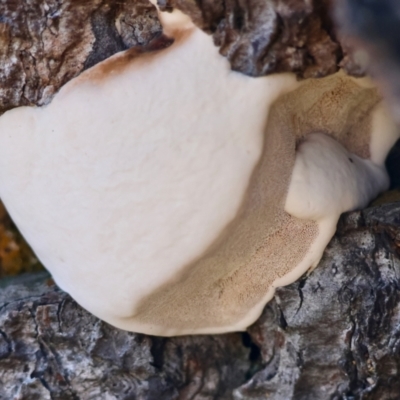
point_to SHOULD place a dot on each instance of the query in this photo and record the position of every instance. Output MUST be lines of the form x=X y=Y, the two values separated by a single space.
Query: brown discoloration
x=117 y=64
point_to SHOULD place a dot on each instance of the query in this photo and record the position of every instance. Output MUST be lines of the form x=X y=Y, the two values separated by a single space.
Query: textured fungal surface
x=136 y=164
x=258 y=256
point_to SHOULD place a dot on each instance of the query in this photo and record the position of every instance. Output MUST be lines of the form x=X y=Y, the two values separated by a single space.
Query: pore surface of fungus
x=169 y=195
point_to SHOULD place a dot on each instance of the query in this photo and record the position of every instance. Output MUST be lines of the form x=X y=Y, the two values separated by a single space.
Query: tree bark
x=334 y=334
x=50 y=348
x=44 y=44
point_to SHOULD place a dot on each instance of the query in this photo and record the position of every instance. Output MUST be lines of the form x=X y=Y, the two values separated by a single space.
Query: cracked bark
x=44 y=44
x=334 y=334
x=331 y=335
x=260 y=37
x=52 y=349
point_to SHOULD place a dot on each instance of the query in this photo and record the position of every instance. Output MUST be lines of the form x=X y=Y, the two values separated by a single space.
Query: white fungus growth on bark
x=165 y=192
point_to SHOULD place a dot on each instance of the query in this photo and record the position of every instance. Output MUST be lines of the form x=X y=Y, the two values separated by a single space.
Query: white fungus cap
x=157 y=190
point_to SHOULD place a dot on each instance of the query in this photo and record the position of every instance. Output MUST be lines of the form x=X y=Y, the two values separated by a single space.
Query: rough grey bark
x=50 y=348
x=334 y=334
x=260 y=37
x=44 y=44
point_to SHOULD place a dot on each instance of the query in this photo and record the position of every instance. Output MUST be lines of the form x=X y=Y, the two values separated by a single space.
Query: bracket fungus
x=169 y=195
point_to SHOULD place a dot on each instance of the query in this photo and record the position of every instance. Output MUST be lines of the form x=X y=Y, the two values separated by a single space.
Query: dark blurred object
x=393 y=166
x=371 y=28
